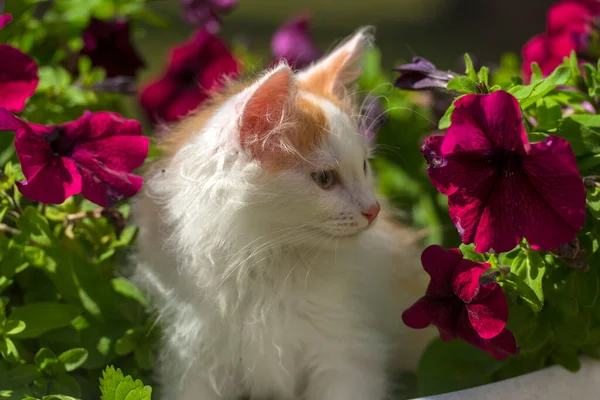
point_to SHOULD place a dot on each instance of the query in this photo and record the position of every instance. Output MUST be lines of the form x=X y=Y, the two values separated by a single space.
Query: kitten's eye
x=325 y=179
x=365 y=166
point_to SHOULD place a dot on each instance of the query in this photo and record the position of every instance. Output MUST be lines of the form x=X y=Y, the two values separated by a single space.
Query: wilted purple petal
x=421 y=74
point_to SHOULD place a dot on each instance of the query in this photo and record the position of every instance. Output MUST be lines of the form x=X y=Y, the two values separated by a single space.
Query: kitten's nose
x=372 y=212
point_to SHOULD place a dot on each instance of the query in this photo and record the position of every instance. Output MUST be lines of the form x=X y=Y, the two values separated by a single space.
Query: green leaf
x=529 y=269
x=127 y=343
x=469 y=68
x=449 y=366
x=536 y=73
x=468 y=251
x=73 y=359
x=589 y=120
x=583 y=139
x=128 y=289
x=8 y=350
x=67 y=384
x=115 y=386
x=529 y=94
x=483 y=75
x=568 y=359
x=462 y=84
x=58 y=397
x=447 y=117
x=12 y=327
x=35 y=226
x=593 y=202
x=40 y=318
x=586 y=288
x=19 y=375
x=45 y=358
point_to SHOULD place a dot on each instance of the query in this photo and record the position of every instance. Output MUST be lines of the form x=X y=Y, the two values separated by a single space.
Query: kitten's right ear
x=269 y=105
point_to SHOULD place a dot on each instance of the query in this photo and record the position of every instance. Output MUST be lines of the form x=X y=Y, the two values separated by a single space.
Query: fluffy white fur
x=267 y=285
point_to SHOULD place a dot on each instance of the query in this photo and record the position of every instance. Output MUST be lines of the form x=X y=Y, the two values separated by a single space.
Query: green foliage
x=450 y=366
x=115 y=386
x=63 y=305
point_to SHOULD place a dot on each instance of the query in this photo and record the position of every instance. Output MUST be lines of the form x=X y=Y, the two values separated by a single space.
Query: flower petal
x=568 y=15
x=103 y=185
x=499 y=347
x=552 y=171
x=465 y=279
x=452 y=172
x=440 y=263
x=108 y=45
x=428 y=310
x=293 y=43
x=488 y=316
x=58 y=180
x=494 y=216
x=5 y=19
x=421 y=74
x=484 y=122
x=417 y=315
x=156 y=96
x=120 y=153
x=18 y=78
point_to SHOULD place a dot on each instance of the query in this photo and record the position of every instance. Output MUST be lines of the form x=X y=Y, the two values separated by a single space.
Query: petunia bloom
x=548 y=51
x=292 y=42
x=571 y=15
x=460 y=306
x=5 y=19
x=569 y=27
x=205 y=13
x=195 y=68
x=108 y=45
x=93 y=155
x=500 y=187
x=421 y=74
x=18 y=78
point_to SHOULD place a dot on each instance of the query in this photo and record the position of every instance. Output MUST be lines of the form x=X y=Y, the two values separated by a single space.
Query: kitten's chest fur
x=297 y=302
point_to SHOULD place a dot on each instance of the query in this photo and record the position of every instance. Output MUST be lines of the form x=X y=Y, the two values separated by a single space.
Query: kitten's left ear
x=335 y=74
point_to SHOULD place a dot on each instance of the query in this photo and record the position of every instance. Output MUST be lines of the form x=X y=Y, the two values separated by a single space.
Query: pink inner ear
x=264 y=111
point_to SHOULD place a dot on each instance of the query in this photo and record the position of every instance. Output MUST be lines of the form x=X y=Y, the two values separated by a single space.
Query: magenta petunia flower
x=550 y=50
x=569 y=26
x=94 y=156
x=571 y=15
x=500 y=187
x=18 y=78
x=108 y=45
x=195 y=68
x=205 y=13
x=293 y=43
x=460 y=306
x=5 y=19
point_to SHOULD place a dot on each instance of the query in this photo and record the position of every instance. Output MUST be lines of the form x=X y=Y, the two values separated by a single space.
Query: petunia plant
x=516 y=155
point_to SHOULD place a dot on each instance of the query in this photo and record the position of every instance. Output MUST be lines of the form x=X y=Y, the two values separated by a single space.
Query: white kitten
x=255 y=248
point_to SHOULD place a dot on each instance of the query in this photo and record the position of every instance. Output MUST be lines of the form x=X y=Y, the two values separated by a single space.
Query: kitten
x=257 y=249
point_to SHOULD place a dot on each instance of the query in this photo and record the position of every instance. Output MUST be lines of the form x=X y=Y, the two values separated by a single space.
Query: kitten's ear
x=336 y=73
x=269 y=105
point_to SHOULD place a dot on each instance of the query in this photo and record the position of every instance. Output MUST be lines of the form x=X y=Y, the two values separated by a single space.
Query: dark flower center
x=59 y=146
x=508 y=161
x=187 y=78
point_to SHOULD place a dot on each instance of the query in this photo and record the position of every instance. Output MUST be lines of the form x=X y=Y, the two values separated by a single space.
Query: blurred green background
x=440 y=30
